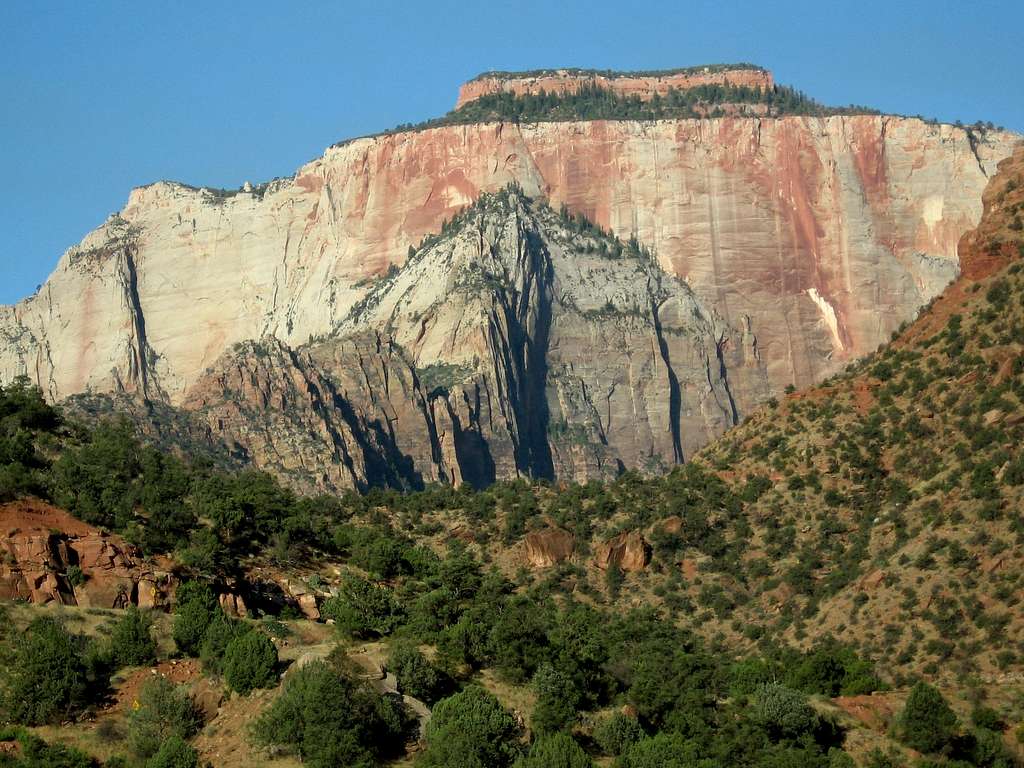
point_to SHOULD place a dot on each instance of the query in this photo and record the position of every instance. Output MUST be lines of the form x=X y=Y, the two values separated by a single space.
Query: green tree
x=363 y=609
x=195 y=609
x=220 y=632
x=616 y=733
x=557 y=750
x=331 y=719
x=783 y=711
x=470 y=730
x=131 y=643
x=96 y=482
x=416 y=676
x=163 y=711
x=175 y=752
x=250 y=661
x=664 y=750
x=45 y=678
x=557 y=700
x=927 y=723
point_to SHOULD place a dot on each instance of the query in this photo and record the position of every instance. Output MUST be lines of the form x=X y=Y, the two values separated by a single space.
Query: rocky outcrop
x=548 y=547
x=629 y=551
x=43 y=546
x=643 y=86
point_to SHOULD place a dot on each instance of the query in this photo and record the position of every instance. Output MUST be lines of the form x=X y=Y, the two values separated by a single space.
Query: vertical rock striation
x=826 y=233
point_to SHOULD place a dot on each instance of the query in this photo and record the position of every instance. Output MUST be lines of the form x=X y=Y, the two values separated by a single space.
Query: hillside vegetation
x=593 y=102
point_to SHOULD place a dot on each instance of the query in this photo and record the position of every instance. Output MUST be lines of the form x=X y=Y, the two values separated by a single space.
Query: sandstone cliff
x=803 y=242
x=826 y=233
x=519 y=343
x=644 y=86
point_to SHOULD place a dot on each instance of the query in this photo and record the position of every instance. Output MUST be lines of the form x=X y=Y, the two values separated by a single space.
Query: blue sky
x=99 y=97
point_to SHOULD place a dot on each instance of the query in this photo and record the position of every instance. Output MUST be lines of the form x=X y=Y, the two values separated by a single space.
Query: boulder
x=629 y=551
x=549 y=547
x=308 y=606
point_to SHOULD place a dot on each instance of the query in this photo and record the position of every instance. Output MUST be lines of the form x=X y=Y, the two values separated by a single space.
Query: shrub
x=330 y=719
x=665 y=750
x=986 y=748
x=131 y=644
x=471 y=728
x=174 y=753
x=220 y=632
x=363 y=609
x=784 y=711
x=987 y=718
x=162 y=711
x=250 y=661
x=76 y=577
x=927 y=723
x=616 y=733
x=36 y=753
x=46 y=678
x=557 y=700
x=416 y=676
x=832 y=669
x=195 y=609
x=559 y=750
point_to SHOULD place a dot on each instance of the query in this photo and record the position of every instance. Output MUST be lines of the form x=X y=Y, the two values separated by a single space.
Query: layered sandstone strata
x=645 y=87
x=825 y=233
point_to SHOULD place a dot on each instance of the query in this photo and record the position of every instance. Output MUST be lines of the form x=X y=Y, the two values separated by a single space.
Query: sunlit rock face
x=823 y=233
x=804 y=242
x=644 y=87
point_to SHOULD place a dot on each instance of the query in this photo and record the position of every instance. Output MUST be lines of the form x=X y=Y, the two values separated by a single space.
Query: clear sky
x=98 y=97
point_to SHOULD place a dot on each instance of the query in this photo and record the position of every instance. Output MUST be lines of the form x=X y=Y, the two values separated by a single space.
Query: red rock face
x=41 y=542
x=629 y=551
x=548 y=547
x=565 y=81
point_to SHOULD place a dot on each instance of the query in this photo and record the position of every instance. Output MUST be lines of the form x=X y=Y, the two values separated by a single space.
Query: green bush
x=163 y=711
x=470 y=729
x=45 y=679
x=664 y=750
x=131 y=644
x=557 y=700
x=175 y=752
x=220 y=632
x=36 y=753
x=616 y=733
x=363 y=609
x=416 y=676
x=558 y=750
x=195 y=609
x=833 y=670
x=250 y=661
x=987 y=718
x=332 y=720
x=927 y=723
x=784 y=711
